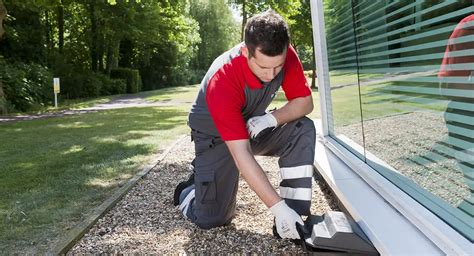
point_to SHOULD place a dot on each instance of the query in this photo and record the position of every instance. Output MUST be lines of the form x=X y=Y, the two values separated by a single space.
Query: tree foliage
x=248 y=8
x=297 y=13
x=82 y=41
x=217 y=34
x=166 y=42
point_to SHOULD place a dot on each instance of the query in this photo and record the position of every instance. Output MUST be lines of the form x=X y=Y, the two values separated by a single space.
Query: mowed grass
x=54 y=171
x=181 y=94
x=65 y=104
x=83 y=103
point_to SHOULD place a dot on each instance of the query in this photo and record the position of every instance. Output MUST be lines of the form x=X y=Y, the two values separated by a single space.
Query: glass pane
x=416 y=62
x=345 y=122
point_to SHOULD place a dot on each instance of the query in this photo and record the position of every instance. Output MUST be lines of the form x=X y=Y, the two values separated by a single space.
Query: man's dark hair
x=268 y=32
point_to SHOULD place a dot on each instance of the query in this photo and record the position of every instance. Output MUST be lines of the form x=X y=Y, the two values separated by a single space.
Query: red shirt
x=226 y=99
x=462 y=29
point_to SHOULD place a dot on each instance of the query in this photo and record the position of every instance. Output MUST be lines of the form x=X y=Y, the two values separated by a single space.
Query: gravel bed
x=407 y=142
x=145 y=220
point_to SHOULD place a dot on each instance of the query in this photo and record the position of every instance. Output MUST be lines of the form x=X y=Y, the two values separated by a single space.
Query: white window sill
x=408 y=229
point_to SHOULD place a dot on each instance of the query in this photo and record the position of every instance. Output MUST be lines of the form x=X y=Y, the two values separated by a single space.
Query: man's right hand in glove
x=285 y=220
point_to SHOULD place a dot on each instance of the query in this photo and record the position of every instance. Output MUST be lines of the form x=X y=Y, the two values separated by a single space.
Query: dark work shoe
x=181 y=186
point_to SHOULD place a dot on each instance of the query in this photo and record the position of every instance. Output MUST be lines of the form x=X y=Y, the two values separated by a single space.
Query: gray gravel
x=145 y=220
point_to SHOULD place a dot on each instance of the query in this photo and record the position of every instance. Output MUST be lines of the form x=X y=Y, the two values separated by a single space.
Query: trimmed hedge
x=80 y=83
x=131 y=76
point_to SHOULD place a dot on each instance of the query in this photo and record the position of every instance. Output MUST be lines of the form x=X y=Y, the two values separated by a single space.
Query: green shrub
x=3 y=101
x=106 y=85
x=71 y=78
x=26 y=86
x=79 y=83
x=196 y=76
x=131 y=76
x=91 y=85
x=115 y=86
x=112 y=86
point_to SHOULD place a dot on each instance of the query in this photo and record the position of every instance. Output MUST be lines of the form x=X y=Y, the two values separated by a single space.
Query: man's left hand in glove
x=257 y=124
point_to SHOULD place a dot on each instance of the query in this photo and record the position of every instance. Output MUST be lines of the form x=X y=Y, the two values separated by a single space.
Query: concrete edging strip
x=75 y=234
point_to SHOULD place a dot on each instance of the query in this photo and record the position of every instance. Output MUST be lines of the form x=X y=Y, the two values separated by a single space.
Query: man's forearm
x=294 y=109
x=252 y=172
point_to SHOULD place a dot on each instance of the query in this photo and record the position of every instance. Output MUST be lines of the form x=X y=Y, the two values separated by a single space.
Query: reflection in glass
x=457 y=75
x=415 y=124
x=408 y=65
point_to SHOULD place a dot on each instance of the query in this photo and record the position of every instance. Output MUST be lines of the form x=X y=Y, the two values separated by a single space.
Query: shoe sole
x=184 y=206
x=181 y=186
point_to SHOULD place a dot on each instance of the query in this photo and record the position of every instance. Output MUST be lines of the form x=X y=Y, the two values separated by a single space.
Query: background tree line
x=104 y=47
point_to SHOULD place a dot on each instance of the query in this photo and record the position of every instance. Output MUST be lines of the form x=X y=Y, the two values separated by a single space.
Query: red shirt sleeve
x=294 y=83
x=225 y=100
x=461 y=30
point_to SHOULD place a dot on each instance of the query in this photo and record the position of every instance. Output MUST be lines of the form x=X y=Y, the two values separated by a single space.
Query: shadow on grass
x=54 y=171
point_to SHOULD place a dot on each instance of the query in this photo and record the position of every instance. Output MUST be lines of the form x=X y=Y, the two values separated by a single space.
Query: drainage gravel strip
x=74 y=235
x=146 y=222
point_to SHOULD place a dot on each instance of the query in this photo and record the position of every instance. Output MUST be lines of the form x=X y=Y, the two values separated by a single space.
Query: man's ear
x=245 y=51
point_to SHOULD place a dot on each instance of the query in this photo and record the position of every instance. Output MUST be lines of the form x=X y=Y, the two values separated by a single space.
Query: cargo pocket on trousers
x=206 y=188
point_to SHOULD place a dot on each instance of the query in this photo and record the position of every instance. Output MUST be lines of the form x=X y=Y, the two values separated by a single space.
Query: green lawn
x=68 y=104
x=55 y=170
x=186 y=94
x=83 y=103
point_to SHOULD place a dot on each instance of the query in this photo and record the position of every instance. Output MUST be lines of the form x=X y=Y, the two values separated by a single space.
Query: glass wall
x=402 y=91
x=343 y=79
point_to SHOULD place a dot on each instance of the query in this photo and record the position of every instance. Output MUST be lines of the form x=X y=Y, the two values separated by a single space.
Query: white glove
x=257 y=124
x=285 y=220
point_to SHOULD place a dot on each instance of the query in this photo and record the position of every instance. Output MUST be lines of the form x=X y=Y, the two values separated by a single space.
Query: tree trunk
x=61 y=27
x=100 y=54
x=3 y=14
x=49 y=31
x=126 y=53
x=94 y=37
x=244 y=20
x=112 y=56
